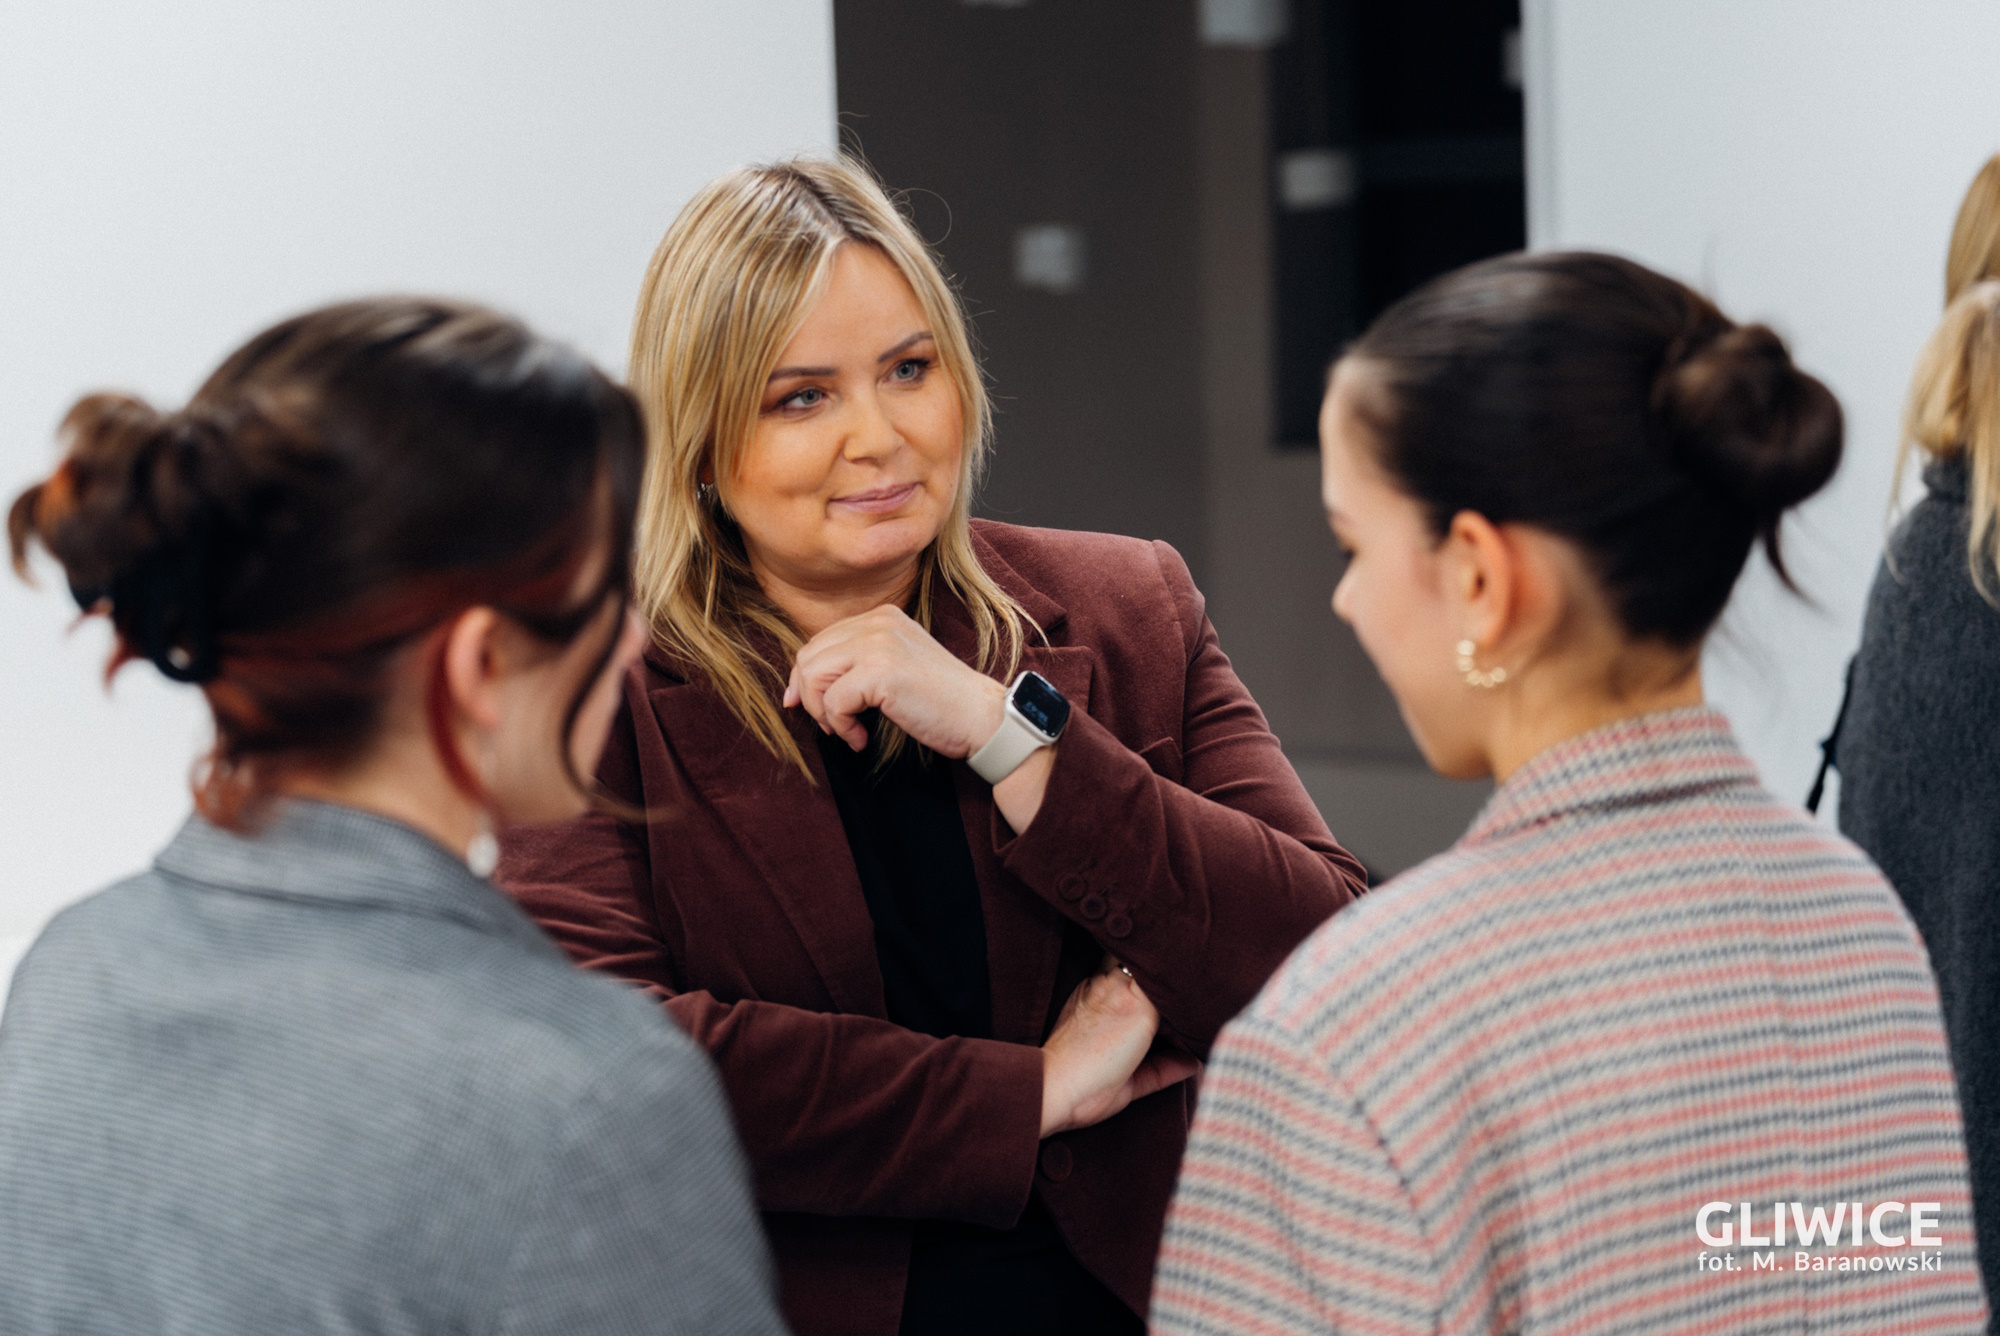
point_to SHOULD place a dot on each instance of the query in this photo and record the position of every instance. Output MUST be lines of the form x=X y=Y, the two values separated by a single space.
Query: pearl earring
x=482 y=851
x=1468 y=666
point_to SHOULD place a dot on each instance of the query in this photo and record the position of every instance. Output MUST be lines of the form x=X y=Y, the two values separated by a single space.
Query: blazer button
x=1070 y=887
x=1118 y=924
x=1092 y=907
x=1056 y=1162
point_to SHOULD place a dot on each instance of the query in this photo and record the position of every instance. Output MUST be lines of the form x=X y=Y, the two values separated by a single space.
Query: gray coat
x=323 y=1079
x=1919 y=757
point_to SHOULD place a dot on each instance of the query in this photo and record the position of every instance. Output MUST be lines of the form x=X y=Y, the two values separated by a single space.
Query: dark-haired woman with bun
x=312 y=1072
x=1531 y=1085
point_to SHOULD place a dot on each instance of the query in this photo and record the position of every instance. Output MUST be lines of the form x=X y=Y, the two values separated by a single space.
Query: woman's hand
x=882 y=660
x=1099 y=1058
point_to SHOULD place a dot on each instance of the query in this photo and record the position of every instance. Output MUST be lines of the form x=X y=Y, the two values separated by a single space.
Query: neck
x=402 y=781
x=1552 y=711
x=812 y=606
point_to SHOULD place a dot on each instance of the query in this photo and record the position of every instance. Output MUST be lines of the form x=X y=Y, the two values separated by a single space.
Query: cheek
x=935 y=429
x=1392 y=603
x=778 y=485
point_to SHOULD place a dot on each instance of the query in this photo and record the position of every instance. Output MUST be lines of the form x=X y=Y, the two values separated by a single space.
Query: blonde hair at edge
x=1954 y=410
x=1975 y=236
x=731 y=282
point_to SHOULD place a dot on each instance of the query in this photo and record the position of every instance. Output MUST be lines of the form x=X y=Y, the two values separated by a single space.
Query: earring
x=706 y=490
x=482 y=851
x=1468 y=666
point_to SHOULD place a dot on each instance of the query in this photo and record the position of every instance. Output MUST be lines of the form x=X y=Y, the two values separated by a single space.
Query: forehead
x=1347 y=459
x=864 y=293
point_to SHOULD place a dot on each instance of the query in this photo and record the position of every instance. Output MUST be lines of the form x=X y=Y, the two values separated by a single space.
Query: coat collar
x=1643 y=759
x=1946 y=478
x=318 y=851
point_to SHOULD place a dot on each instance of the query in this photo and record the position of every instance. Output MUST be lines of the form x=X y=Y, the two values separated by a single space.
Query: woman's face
x=1396 y=590
x=854 y=462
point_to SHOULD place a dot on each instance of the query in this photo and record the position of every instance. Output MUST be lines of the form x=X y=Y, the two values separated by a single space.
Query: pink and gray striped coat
x=1495 y=1095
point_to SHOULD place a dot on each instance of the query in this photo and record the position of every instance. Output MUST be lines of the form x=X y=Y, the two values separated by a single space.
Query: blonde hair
x=1954 y=411
x=731 y=282
x=1975 y=236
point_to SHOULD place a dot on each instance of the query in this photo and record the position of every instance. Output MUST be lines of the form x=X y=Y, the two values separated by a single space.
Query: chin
x=889 y=541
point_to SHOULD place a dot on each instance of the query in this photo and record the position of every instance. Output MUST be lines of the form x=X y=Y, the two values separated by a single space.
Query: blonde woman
x=968 y=840
x=1919 y=773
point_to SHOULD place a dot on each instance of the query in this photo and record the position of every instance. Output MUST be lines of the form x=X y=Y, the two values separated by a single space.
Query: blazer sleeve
x=1201 y=886
x=838 y=1114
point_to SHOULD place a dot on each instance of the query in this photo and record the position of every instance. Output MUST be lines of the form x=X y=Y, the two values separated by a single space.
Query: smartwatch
x=1036 y=713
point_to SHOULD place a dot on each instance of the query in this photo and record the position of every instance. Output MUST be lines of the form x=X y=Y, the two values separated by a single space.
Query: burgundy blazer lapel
x=790 y=831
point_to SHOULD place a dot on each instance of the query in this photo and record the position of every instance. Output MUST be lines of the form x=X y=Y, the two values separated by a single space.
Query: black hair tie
x=162 y=606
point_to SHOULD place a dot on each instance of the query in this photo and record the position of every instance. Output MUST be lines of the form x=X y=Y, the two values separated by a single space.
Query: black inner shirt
x=909 y=846
x=903 y=826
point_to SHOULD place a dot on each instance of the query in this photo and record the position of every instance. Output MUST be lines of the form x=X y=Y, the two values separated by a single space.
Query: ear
x=1510 y=584
x=1482 y=572
x=473 y=666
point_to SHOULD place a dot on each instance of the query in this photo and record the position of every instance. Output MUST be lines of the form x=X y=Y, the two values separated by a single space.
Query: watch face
x=1041 y=704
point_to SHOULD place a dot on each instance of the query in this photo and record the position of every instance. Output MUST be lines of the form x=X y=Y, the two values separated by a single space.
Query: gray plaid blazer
x=323 y=1079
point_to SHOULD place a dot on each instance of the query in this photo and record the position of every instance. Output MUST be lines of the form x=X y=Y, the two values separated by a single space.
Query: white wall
x=1801 y=162
x=175 y=176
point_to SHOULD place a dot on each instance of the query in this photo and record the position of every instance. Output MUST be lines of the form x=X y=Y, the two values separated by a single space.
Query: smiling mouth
x=880 y=500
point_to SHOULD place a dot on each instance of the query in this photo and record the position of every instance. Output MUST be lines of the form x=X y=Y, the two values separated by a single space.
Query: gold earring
x=1470 y=668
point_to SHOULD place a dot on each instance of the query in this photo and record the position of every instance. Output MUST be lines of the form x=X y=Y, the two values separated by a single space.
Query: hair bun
x=1742 y=418
x=128 y=516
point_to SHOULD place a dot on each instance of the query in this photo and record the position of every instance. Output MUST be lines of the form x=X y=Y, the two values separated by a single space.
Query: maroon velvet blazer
x=1174 y=835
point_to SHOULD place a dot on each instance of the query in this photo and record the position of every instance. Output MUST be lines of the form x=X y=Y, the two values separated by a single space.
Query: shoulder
x=1926 y=550
x=102 y=930
x=1101 y=575
x=403 y=1009
x=1369 y=973
x=1077 y=558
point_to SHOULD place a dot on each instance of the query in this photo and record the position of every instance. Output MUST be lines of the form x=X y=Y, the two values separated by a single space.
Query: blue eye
x=809 y=397
x=911 y=368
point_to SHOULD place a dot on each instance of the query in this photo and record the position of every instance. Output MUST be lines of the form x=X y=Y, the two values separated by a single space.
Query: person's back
x=1629 y=991
x=325 y=1079
x=313 y=1073
x=1621 y=1058
x=1919 y=771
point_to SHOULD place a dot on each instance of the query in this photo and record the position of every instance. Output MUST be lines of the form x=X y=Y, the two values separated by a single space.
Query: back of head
x=1597 y=400
x=344 y=482
x=1954 y=413
x=1975 y=235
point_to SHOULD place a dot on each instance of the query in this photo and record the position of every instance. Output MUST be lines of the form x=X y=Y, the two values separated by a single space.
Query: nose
x=1343 y=595
x=872 y=434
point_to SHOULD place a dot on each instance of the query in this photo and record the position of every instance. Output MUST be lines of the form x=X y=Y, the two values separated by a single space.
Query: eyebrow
x=798 y=372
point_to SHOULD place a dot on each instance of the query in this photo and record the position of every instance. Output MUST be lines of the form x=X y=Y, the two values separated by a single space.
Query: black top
x=903 y=826
x=1920 y=789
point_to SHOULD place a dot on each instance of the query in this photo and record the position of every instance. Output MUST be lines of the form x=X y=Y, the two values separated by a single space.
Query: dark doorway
x=1396 y=133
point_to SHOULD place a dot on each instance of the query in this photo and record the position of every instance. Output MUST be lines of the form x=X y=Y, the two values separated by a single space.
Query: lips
x=878 y=500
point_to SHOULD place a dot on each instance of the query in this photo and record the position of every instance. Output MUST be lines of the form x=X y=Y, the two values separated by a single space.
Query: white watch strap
x=1003 y=753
